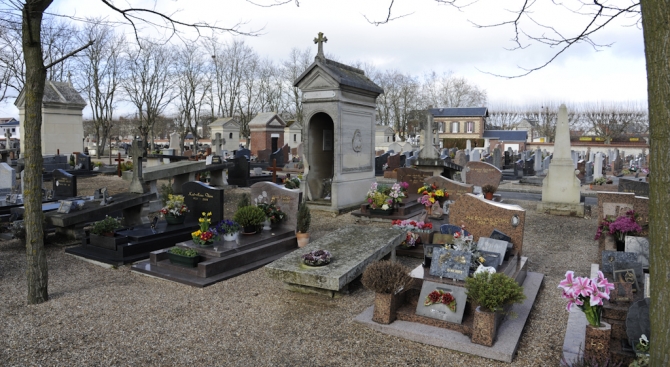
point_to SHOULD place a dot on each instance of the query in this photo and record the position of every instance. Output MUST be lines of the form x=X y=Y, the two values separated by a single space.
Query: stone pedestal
x=597 y=343
x=386 y=306
x=485 y=327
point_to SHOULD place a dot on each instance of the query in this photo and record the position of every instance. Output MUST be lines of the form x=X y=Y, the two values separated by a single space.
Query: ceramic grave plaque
x=492 y=259
x=491 y=245
x=287 y=200
x=640 y=246
x=64 y=184
x=199 y=198
x=440 y=310
x=450 y=264
x=634 y=265
x=610 y=257
x=497 y=235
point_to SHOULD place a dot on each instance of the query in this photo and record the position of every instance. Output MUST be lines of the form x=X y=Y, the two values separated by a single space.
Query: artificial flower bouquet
x=205 y=235
x=441 y=297
x=174 y=206
x=430 y=194
x=620 y=227
x=587 y=294
x=413 y=226
x=272 y=211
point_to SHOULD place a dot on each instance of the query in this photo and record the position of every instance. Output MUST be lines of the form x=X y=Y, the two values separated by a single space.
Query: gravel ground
x=112 y=317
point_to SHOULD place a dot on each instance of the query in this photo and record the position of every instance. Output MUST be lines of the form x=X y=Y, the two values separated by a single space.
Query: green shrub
x=387 y=277
x=189 y=252
x=304 y=218
x=245 y=200
x=488 y=188
x=166 y=191
x=109 y=224
x=249 y=215
x=493 y=291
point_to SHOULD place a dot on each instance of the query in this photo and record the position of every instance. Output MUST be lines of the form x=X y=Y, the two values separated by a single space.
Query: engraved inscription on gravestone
x=441 y=311
x=450 y=264
x=610 y=257
x=200 y=198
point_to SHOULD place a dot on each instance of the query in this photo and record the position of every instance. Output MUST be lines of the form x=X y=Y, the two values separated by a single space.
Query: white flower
x=385 y=207
x=643 y=340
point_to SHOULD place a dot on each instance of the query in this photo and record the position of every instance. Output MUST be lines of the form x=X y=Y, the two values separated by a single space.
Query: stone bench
x=72 y=224
x=181 y=172
x=352 y=248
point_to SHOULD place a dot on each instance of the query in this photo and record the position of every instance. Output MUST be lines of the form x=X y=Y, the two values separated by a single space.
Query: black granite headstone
x=638 y=186
x=240 y=170
x=279 y=156
x=244 y=152
x=610 y=257
x=379 y=164
x=638 y=321
x=497 y=235
x=450 y=264
x=85 y=161
x=64 y=184
x=491 y=259
x=200 y=198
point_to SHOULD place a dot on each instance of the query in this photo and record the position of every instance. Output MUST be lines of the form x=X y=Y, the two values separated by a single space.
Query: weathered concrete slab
x=504 y=348
x=352 y=249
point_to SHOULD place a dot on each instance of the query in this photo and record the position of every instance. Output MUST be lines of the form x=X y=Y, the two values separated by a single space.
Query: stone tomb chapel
x=339 y=109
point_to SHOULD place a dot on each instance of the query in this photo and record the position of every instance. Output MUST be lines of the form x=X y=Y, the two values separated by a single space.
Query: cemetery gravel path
x=112 y=317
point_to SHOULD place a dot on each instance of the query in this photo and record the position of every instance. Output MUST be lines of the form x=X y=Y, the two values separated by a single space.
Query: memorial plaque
x=640 y=246
x=450 y=264
x=610 y=257
x=443 y=239
x=200 y=198
x=64 y=184
x=626 y=276
x=497 y=235
x=440 y=310
x=492 y=259
x=65 y=206
x=636 y=266
x=495 y=246
x=622 y=292
x=413 y=177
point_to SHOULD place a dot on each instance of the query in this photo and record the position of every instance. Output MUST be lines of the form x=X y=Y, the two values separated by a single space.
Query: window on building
x=470 y=126
x=295 y=137
x=454 y=127
x=440 y=127
x=230 y=136
x=388 y=139
x=13 y=129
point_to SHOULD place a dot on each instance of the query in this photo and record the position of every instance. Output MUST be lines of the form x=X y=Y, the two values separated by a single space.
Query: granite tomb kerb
x=561 y=188
x=339 y=104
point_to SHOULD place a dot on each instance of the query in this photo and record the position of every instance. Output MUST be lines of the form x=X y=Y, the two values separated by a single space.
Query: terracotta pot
x=485 y=327
x=303 y=239
x=488 y=195
x=386 y=306
x=597 y=342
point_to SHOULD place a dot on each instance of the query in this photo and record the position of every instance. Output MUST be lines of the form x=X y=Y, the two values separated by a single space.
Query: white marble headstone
x=640 y=246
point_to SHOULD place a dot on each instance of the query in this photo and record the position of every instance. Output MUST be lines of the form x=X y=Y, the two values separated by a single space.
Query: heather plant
x=386 y=277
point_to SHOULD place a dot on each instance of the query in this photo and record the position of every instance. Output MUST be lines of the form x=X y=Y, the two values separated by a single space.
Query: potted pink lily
x=588 y=295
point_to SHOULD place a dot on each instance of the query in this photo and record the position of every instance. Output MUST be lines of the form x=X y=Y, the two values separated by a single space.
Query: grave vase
x=171 y=219
x=303 y=239
x=485 y=326
x=488 y=195
x=597 y=342
x=230 y=236
x=266 y=225
x=386 y=306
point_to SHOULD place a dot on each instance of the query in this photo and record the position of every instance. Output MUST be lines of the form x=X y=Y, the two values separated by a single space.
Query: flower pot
x=252 y=229
x=185 y=261
x=171 y=219
x=597 y=342
x=303 y=239
x=380 y=212
x=386 y=306
x=488 y=195
x=485 y=327
x=620 y=245
x=230 y=236
x=266 y=225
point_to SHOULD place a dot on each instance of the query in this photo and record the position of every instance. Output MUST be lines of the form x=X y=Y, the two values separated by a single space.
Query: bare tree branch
x=276 y=3
x=91 y=42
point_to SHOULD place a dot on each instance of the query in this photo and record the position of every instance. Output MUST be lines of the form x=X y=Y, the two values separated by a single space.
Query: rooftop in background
x=9 y=121
x=61 y=93
x=506 y=135
x=460 y=112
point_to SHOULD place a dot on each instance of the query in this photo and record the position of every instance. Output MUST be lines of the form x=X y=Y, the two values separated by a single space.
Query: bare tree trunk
x=656 y=35
x=34 y=91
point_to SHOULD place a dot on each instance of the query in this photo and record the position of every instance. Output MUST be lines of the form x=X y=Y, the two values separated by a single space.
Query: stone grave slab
x=637 y=186
x=640 y=246
x=482 y=173
x=413 y=177
x=610 y=257
x=481 y=217
x=497 y=235
x=451 y=264
x=393 y=162
x=438 y=310
x=7 y=178
x=263 y=155
x=453 y=188
x=496 y=246
x=616 y=203
x=638 y=321
x=380 y=161
x=200 y=198
x=64 y=184
x=287 y=200
x=352 y=248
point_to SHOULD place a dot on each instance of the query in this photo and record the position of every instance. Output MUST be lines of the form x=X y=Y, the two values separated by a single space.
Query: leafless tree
x=193 y=82
x=613 y=120
x=150 y=83
x=296 y=63
x=448 y=90
x=101 y=71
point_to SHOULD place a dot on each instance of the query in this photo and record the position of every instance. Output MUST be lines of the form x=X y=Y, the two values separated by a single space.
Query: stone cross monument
x=136 y=183
x=319 y=41
x=561 y=188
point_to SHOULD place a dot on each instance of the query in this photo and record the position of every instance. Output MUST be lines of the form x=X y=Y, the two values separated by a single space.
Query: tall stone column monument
x=561 y=187
x=339 y=132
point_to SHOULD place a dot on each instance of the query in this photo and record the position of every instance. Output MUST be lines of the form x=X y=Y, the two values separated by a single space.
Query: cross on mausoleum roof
x=320 y=40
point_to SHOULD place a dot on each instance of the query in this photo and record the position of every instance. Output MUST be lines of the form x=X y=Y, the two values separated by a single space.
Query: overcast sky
x=434 y=38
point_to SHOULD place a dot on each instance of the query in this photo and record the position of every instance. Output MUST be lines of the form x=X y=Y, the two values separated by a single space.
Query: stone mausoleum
x=267 y=132
x=339 y=132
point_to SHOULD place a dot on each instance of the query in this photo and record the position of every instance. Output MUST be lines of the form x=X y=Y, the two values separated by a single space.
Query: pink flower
x=604 y=284
x=572 y=300
x=597 y=298
x=583 y=287
x=568 y=282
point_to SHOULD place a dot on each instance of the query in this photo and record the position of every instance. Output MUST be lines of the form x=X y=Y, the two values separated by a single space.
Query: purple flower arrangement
x=619 y=227
x=587 y=294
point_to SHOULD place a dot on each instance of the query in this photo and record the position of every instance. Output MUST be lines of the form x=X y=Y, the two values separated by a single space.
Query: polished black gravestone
x=64 y=184
x=200 y=198
x=638 y=321
x=638 y=186
x=610 y=257
x=240 y=176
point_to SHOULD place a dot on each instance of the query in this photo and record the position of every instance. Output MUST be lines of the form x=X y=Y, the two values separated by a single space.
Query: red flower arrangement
x=440 y=296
